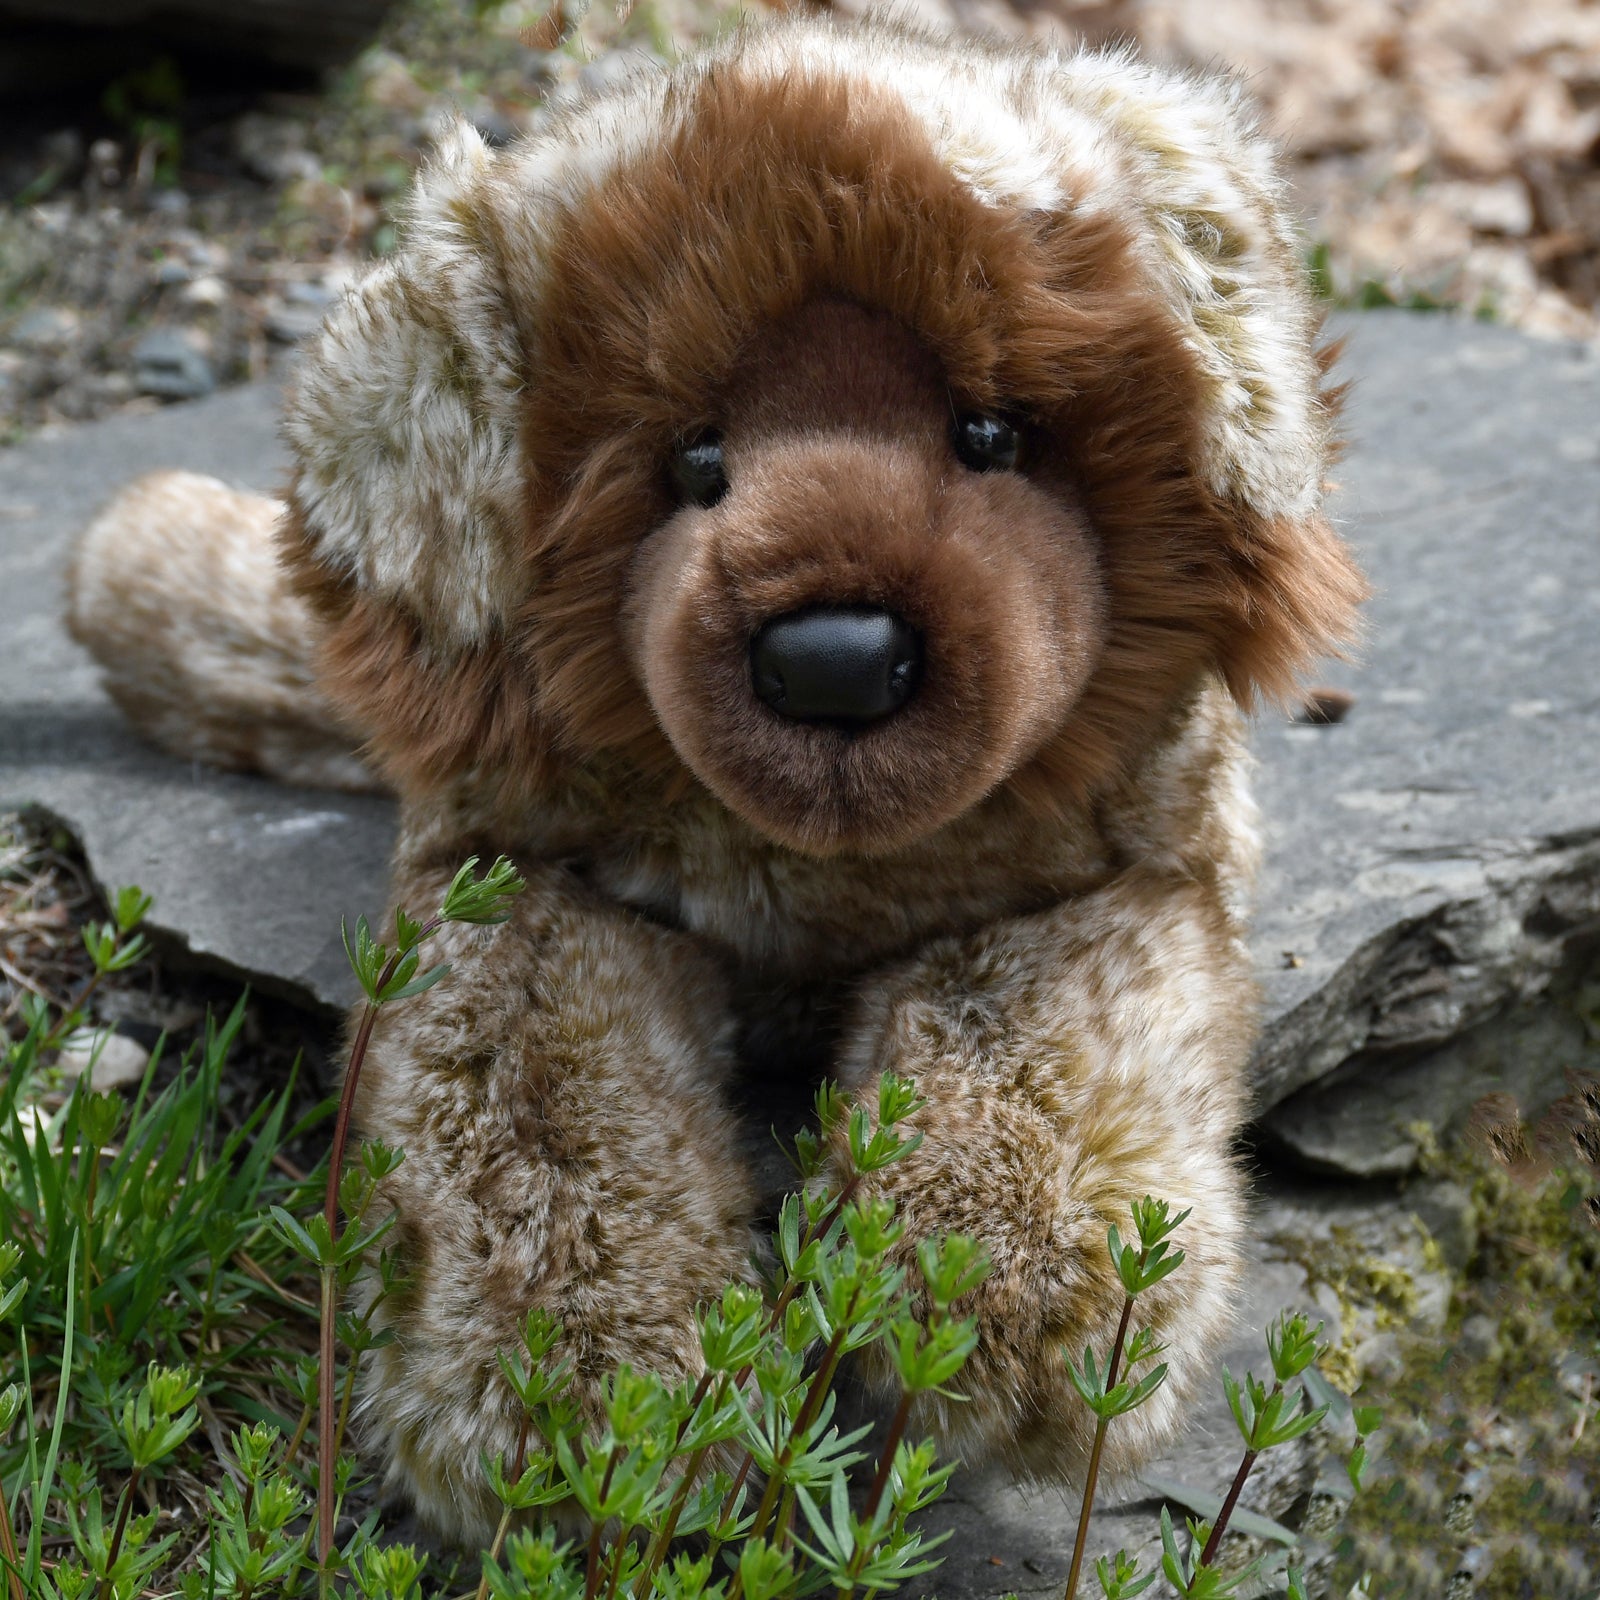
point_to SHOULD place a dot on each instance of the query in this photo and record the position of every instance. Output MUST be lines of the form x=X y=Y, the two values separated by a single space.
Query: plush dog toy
x=817 y=509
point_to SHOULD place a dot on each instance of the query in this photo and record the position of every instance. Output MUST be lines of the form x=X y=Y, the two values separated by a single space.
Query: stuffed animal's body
x=816 y=510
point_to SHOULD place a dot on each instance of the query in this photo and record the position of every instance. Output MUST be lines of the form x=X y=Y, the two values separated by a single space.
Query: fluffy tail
x=176 y=591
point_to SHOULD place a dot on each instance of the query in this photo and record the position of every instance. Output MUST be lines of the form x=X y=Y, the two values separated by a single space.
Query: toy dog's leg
x=1072 y=1062
x=176 y=590
x=559 y=1098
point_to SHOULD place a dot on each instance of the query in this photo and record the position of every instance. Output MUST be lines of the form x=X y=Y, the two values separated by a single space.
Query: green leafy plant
x=1266 y=1418
x=1139 y=1269
x=675 y=1460
x=151 y=1290
x=138 y=1272
x=148 y=103
x=385 y=977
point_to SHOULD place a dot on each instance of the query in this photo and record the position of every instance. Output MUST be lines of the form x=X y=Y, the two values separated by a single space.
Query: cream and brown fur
x=1026 y=889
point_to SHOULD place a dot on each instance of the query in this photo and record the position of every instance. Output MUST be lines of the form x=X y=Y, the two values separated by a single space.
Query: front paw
x=1038 y=1179
x=559 y=1099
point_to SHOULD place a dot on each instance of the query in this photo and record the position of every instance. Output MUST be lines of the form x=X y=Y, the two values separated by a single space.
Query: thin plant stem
x=810 y=1408
x=1080 y=1544
x=591 y=1576
x=521 y=1461
x=680 y=1498
x=738 y=1484
x=897 y=1431
x=880 y=1482
x=591 y=1580
x=298 y=1435
x=697 y=1461
x=325 y=1451
x=115 y=1548
x=326 y=1437
x=815 y=1395
x=79 y=1001
x=482 y=1591
x=774 y=1320
x=91 y=1277
x=8 y=1550
x=344 y=1409
x=1225 y=1515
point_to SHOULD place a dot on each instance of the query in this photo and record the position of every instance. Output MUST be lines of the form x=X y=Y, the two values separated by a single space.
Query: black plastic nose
x=836 y=664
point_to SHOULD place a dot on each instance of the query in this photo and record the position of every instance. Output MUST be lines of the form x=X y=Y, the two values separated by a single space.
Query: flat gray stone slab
x=249 y=877
x=1428 y=857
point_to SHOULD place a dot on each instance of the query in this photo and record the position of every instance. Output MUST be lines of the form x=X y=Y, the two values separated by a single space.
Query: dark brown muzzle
x=859 y=635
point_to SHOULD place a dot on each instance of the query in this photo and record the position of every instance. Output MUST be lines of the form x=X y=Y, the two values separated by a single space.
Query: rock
x=110 y=1060
x=250 y=879
x=209 y=291
x=1362 y=1118
x=44 y=330
x=1478 y=1336
x=111 y=388
x=168 y=363
x=318 y=293
x=1430 y=858
x=105 y=163
x=299 y=313
x=1445 y=1209
x=493 y=126
x=289 y=324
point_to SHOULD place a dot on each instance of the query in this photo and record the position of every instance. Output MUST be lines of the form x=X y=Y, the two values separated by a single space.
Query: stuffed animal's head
x=847 y=422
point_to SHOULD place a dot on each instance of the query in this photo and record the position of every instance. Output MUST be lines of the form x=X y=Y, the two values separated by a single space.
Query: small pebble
x=44 y=329
x=113 y=387
x=493 y=126
x=1478 y=1336
x=310 y=292
x=121 y=1061
x=208 y=291
x=167 y=363
x=273 y=148
x=291 y=324
x=105 y=163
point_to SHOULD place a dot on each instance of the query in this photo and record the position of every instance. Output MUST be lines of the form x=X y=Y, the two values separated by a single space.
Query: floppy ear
x=406 y=521
x=1299 y=589
x=1219 y=240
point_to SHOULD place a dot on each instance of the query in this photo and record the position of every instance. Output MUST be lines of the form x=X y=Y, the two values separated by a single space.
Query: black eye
x=986 y=444
x=697 y=471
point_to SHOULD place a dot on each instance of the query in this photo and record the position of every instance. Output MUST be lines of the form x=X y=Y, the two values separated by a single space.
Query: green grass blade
x=42 y=1485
